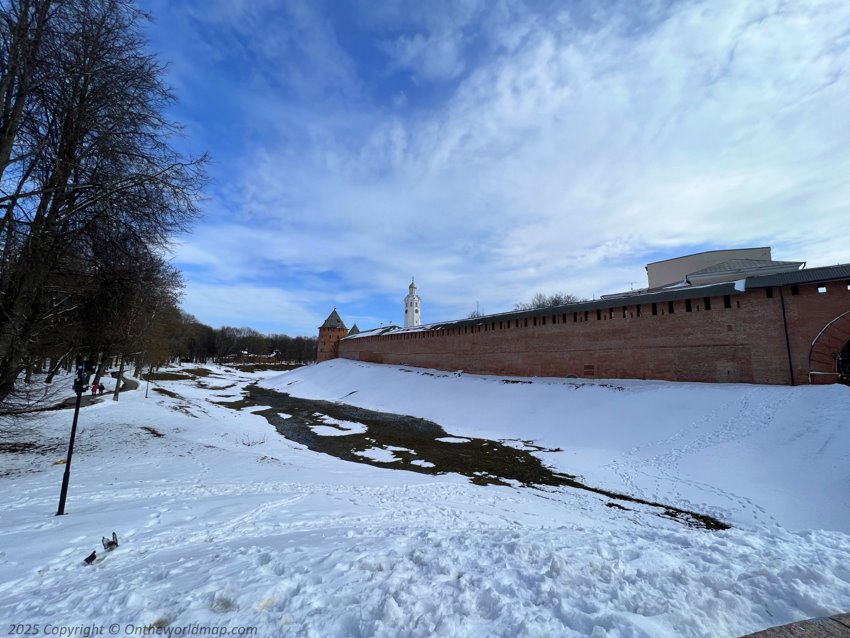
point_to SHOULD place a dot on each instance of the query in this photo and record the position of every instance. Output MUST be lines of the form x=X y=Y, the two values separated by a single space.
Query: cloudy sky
x=496 y=148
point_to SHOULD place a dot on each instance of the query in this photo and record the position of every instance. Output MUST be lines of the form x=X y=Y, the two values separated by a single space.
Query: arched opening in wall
x=828 y=357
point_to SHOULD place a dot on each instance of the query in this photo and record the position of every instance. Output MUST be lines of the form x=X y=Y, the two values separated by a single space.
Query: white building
x=412 y=307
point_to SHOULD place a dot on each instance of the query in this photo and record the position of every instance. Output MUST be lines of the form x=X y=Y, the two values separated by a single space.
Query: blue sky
x=496 y=148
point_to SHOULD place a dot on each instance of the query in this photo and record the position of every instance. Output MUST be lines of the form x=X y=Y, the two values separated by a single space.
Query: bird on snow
x=90 y=558
x=108 y=544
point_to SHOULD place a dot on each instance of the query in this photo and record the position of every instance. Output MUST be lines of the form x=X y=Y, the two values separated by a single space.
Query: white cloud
x=559 y=161
x=434 y=58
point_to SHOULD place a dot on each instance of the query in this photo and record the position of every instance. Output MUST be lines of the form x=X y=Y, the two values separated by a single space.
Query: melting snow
x=223 y=523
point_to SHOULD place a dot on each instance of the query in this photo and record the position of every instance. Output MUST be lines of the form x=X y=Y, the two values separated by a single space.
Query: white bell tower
x=412 y=307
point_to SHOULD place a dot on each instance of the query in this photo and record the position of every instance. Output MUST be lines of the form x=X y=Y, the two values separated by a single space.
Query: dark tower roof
x=354 y=330
x=333 y=321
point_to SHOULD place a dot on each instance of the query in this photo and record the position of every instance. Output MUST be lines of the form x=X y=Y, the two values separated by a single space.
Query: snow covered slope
x=224 y=524
x=753 y=455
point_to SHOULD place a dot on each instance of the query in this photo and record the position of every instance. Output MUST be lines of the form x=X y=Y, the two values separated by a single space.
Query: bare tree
x=541 y=300
x=90 y=167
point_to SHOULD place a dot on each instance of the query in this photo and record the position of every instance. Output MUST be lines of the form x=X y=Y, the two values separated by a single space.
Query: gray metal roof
x=333 y=321
x=747 y=266
x=811 y=275
x=807 y=276
x=689 y=292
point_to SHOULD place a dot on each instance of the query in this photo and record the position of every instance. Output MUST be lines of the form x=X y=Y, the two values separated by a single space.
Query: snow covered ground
x=224 y=524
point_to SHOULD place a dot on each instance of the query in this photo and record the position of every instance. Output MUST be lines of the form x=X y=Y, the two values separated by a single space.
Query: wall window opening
x=795 y=290
x=821 y=289
x=769 y=292
x=688 y=307
x=654 y=308
x=727 y=301
x=671 y=307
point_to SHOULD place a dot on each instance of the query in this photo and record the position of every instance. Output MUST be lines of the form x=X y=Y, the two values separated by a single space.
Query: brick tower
x=330 y=333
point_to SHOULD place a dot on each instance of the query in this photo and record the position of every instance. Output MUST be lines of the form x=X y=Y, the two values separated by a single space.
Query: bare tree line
x=91 y=187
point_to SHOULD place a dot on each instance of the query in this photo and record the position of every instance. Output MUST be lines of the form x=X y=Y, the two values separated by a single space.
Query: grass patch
x=198 y=372
x=167 y=393
x=166 y=376
x=235 y=405
x=254 y=367
x=153 y=431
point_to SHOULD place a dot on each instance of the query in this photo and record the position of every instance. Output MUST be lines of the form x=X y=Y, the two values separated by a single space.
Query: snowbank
x=754 y=455
x=223 y=523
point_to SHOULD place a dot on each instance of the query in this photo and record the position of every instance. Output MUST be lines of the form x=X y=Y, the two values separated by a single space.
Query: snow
x=224 y=523
x=336 y=427
x=382 y=455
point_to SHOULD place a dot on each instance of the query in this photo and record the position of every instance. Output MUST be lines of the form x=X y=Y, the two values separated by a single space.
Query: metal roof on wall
x=807 y=276
x=812 y=275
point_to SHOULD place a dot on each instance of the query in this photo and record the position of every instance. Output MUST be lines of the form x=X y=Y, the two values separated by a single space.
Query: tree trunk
x=100 y=368
x=57 y=366
x=118 y=380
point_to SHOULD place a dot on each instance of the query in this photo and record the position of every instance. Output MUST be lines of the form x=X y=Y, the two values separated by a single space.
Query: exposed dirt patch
x=419 y=445
x=167 y=376
x=198 y=372
x=152 y=431
x=254 y=367
x=18 y=448
x=206 y=386
x=167 y=393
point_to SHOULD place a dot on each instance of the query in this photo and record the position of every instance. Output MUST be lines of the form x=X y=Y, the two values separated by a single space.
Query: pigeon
x=108 y=544
x=90 y=558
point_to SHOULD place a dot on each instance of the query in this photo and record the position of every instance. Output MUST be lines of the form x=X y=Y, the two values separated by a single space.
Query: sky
x=493 y=149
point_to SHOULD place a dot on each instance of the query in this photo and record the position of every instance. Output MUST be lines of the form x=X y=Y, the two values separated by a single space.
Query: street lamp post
x=80 y=384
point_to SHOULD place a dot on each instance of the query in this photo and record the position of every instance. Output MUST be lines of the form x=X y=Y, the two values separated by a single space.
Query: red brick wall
x=327 y=347
x=744 y=343
x=808 y=313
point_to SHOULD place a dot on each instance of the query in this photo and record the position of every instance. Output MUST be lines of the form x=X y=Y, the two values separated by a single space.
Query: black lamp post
x=81 y=383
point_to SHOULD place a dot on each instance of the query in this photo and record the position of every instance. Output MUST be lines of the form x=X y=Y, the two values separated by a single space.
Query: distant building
x=412 y=307
x=716 y=265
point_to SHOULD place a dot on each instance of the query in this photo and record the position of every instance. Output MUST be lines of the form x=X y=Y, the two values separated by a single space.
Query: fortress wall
x=808 y=313
x=742 y=343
